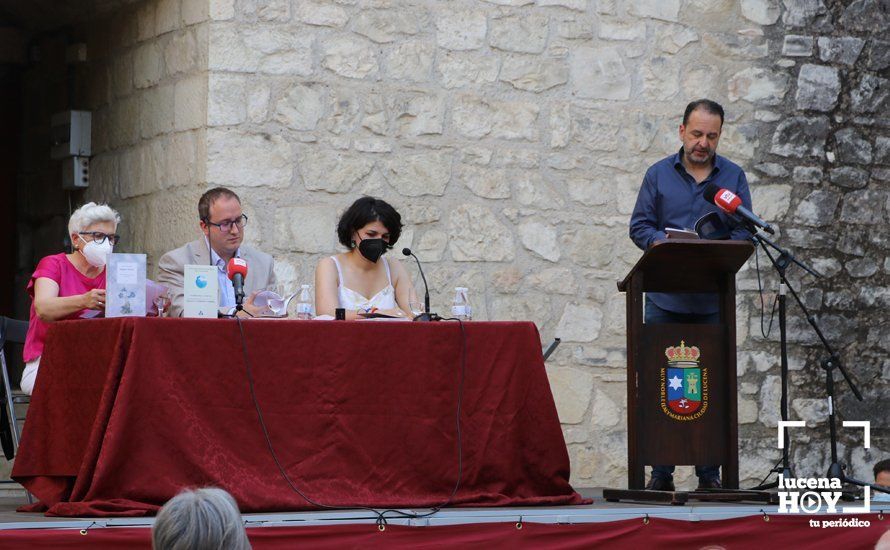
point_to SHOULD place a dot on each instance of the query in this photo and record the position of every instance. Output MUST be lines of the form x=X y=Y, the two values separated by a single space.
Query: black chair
x=13 y=331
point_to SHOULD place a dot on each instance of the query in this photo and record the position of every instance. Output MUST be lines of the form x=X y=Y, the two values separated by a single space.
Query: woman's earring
x=352 y=243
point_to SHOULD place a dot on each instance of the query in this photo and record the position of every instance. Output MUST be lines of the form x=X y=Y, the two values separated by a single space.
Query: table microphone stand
x=426 y=315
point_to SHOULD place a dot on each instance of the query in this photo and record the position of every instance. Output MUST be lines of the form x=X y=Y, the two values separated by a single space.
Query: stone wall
x=513 y=136
x=826 y=144
x=147 y=89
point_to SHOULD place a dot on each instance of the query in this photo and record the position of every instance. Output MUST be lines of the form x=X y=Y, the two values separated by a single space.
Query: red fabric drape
x=731 y=534
x=127 y=412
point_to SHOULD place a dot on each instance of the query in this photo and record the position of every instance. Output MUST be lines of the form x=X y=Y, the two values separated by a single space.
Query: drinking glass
x=162 y=304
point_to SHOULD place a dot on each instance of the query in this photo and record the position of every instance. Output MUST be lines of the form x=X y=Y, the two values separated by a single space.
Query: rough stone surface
x=461 y=30
x=763 y=12
x=871 y=95
x=600 y=73
x=758 y=86
x=844 y=50
x=540 y=239
x=332 y=171
x=512 y=136
x=307 y=229
x=386 y=26
x=667 y=10
x=818 y=208
x=878 y=54
x=572 y=391
x=772 y=201
x=249 y=160
x=460 y=69
x=862 y=207
x=525 y=34
x=477 y=235
x=817 y=88
x=811 y=14
x=849 y=177
x=349 y=57
x=797 y=46
x=800 y=137
x=882 y=150
x=851 y=147
x=411 y=61
x=301 y=108
x=580 y=323
x=420 y=174
x=534 y=75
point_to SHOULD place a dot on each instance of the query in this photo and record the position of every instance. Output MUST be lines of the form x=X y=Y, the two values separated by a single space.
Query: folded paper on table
x=276 y=303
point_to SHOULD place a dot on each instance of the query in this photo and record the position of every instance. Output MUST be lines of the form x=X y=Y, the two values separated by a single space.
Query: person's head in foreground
x=199 y=519
x=882 y=472
x=882 y=477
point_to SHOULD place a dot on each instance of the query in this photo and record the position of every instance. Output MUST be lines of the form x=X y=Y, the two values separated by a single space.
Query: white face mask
x=96 y=254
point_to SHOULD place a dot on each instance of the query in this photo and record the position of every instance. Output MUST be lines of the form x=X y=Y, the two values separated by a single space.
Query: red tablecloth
x=127 y=412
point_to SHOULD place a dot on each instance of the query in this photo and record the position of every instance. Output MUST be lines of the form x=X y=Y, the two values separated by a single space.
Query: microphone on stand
x=236 y=270
x=731 y=203
x=426 y=315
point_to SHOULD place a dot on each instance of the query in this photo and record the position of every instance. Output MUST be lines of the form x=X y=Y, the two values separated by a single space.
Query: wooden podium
x=681 y=378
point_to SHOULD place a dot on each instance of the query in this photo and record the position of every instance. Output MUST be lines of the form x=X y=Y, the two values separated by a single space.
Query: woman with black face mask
x=362 y=280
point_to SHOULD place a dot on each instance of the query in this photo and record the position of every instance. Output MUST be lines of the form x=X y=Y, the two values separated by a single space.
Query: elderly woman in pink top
x=68 y=286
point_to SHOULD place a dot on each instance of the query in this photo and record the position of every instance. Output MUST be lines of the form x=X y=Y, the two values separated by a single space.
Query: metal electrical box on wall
x=75 y=173
x=70 y=134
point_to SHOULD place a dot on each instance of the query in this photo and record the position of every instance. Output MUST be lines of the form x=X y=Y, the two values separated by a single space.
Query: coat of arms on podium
x=684 y=383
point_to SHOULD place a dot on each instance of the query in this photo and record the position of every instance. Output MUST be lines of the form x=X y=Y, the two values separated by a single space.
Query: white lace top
x=352 y=300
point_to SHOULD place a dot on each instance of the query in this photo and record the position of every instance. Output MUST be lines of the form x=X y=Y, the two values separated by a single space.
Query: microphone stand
x=781 y=263
x=239 y=295
x=426 y=315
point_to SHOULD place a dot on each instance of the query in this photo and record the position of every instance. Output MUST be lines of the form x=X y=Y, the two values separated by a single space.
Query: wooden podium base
x=679 y=498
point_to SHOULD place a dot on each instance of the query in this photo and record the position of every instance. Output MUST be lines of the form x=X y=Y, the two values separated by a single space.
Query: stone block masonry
x=513 y=136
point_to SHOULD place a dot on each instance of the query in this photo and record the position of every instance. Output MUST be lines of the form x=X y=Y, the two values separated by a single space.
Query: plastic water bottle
x=460 y=307
x=304 y=303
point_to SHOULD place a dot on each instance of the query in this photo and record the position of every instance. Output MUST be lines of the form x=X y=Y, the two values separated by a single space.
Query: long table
x=127 y=412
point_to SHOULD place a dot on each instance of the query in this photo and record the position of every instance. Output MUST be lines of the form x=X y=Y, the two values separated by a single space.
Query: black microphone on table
x=236 y=270
x=426 y=315
x=731 y=203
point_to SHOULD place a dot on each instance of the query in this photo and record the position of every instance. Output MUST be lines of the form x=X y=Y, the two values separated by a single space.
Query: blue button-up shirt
x=670 y=197
x=226 y=290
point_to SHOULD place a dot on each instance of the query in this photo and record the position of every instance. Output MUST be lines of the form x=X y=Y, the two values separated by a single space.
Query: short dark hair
x=364 y=211
x=882 y=466
x=706 y=105
x=210 y=197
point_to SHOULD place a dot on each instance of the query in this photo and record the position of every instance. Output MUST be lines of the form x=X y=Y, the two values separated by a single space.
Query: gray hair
x=91 y=213
x=199 y=519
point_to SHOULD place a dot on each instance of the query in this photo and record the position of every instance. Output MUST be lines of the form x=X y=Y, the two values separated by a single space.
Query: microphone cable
x=381 y=514
x=765 y=332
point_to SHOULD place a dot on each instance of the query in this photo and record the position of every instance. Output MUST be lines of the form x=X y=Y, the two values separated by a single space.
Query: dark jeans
x=655 y=314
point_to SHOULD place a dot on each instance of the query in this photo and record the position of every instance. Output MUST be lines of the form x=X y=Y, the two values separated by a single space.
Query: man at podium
x=672 y=197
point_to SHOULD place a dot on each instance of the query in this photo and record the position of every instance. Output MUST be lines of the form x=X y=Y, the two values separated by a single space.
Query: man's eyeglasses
x=99 y=237
x=226 y=226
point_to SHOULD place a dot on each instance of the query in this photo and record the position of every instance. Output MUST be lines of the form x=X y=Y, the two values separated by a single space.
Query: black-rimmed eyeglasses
x=226 y=226
x=99 y=237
